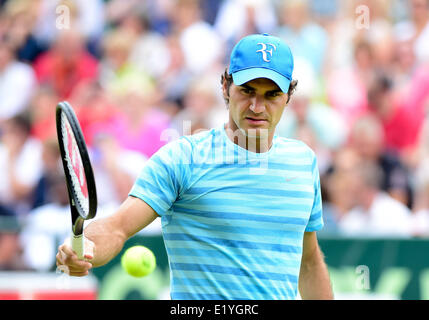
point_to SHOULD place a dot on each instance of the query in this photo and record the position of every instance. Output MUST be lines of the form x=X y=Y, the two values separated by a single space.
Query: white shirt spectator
x=202 y=47
x=28 y=169
x=90 y=19
x=233 y=17
x=45 y=228
x=386 y=217
x=407 y=30
x=17 y=83
x=150 y=53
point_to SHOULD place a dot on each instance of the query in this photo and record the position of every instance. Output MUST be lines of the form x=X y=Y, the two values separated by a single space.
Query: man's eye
x=246 y=91
x=273 y=94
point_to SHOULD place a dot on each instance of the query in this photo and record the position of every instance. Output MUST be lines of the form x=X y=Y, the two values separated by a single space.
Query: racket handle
x=77 y=242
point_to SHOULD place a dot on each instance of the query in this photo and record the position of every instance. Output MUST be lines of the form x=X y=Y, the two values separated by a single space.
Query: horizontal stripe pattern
x=256 y=259
x=271 y=218
x=209 y=268
x=233 y=221
x=225 y=242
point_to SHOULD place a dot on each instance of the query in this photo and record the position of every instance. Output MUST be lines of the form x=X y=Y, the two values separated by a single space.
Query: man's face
x=255 y=107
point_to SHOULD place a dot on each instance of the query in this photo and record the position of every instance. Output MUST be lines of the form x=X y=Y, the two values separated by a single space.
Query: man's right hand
x=68 y=262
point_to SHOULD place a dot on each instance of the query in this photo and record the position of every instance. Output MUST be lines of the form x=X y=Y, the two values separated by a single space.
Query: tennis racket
x=78 y=172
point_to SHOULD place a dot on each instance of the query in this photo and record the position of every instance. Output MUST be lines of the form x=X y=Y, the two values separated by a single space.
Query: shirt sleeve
x=164 y=176
x=315 y=223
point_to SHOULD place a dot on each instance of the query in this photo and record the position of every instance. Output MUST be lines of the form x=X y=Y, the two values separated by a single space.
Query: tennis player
x=239 y=206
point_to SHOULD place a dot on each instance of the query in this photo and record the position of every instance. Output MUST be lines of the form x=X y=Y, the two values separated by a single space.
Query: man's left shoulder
x=294 y=146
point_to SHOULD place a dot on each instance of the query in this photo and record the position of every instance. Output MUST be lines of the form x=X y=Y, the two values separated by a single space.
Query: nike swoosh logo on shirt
x=290 y=179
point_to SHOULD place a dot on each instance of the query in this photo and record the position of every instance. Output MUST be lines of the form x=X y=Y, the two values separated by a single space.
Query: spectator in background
x=66 y=64
x=20 y=164
x=339 y=188
x=85 y=17
x=177 y=77
x=327 y=125
x=117 y=72
x=94 y=108
x=404 y=60
x=202 y=47
x=378 y=33
x=118 y=10
x=360 y=43
x=324 y=11
x=157 y=12
x=307 y=39
x=203 y=107
x=21 y=16
x=305 y=133
x=347 y=86
x=9 y=239
x=418 y=26
x=148 y=44
x=51 y=168
x=375 y=213
x=352 y=25
x=115 y=169
x=139 y=123
x=46 y=226
x=238 y=18
x=412 y=63
x=17 y=82
x=42 y=109
x=414 y=100
x=398 y=123
x=367 y=139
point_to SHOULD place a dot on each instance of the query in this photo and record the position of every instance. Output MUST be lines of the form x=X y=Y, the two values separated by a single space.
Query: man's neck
x=256 y=144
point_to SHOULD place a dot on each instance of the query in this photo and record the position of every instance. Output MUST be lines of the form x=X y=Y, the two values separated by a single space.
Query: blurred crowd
x=140 y=73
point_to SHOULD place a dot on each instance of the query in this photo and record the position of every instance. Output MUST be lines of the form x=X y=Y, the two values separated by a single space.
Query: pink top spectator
x=347 y=94
x=146 y=138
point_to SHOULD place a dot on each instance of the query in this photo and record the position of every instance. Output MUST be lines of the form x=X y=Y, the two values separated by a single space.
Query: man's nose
x=257 y=104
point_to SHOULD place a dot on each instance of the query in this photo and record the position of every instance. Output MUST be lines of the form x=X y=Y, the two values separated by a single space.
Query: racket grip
x=77 y=242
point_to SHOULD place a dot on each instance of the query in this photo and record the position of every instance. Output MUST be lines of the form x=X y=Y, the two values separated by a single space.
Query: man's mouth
x=256 y=120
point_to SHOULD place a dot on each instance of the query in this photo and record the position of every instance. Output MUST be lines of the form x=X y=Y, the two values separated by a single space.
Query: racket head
x=77 y=167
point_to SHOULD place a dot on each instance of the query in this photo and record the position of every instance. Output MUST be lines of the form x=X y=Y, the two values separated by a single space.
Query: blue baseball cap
x=262 y=56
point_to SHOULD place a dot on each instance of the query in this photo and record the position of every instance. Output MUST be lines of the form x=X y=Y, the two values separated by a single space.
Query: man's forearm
x=108 y=241
x=314 y=280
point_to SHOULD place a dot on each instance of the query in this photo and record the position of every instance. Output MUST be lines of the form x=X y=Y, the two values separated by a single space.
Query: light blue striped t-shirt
x=232 y=220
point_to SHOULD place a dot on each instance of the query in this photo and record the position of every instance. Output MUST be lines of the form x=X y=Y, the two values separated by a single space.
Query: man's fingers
x=66 y=249
x=68 y=262
x=77 y=269
x=74 y=263
x=79 y=274
x=67 y=257
x=72 y=270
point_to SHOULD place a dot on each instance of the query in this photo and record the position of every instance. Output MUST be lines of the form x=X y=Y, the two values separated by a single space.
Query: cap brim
x=247 y=75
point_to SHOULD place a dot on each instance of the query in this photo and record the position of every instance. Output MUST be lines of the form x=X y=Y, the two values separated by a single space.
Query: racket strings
x=71 y=159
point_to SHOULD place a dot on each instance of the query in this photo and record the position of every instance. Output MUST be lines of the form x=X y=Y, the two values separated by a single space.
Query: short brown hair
x=228 y=78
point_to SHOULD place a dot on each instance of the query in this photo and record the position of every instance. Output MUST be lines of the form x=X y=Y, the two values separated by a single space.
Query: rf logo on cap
x=264 y=50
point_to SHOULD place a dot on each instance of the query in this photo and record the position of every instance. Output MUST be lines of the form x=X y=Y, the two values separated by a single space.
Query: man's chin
x=255 y=133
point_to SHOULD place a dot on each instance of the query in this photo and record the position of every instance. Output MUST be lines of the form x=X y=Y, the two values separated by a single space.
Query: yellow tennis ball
x=138 y=261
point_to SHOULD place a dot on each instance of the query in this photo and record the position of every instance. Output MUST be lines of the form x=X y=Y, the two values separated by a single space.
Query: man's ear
x=225 y=89
x=225 y=92
x=288 y=100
